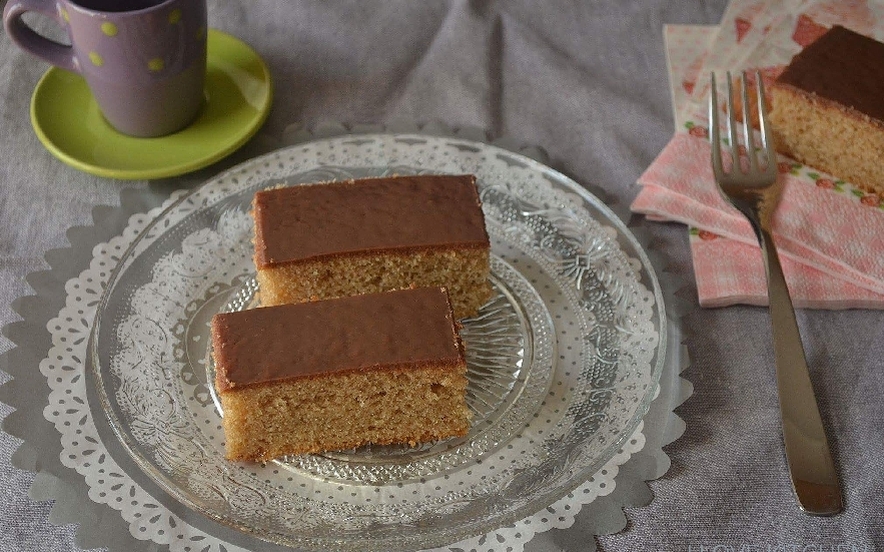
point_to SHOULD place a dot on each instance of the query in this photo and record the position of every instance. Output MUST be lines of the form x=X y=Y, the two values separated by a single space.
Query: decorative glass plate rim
x=622 y=232
x=531 y=387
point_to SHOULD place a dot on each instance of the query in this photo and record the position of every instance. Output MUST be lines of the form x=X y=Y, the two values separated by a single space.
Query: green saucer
x=238 y=96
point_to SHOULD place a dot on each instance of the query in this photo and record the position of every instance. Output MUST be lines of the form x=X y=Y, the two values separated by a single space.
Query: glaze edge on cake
x=843 y=67
x=299 y=223
x=258 y=346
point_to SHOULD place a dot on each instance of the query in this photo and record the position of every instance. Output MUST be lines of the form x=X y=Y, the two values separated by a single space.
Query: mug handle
x=26 y=38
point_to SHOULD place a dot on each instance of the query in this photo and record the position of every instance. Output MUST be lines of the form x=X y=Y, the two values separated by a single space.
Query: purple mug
x=144 y=61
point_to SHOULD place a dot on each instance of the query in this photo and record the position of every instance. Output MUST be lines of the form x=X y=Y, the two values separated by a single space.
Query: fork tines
x=748 y=133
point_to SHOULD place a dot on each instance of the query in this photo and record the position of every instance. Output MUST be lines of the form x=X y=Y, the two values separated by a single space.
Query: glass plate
x=563 y=361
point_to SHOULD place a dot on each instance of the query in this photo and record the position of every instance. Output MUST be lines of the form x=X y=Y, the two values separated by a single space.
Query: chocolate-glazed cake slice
x=828 y=107
x=328 y=375
x=337 y=239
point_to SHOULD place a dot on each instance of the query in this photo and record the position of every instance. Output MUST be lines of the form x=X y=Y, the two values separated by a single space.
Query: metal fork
x=753 y=190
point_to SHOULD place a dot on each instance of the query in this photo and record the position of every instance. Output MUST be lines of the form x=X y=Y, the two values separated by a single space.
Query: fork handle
x=807 y=451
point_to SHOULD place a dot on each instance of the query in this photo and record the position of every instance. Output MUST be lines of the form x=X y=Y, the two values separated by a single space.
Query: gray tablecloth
x=587 y=82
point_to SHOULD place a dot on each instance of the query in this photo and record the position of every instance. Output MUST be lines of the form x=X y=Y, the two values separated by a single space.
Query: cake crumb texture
x=822 y=135
x=463 y=272
x=348 y=411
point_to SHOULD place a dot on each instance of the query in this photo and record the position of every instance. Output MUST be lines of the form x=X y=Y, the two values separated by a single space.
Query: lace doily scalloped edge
x=56 y=482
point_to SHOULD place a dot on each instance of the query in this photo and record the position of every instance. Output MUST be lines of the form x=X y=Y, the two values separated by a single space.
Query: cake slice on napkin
x=828 y=107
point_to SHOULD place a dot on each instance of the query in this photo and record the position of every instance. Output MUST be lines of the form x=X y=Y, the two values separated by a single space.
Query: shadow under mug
x=144 y=61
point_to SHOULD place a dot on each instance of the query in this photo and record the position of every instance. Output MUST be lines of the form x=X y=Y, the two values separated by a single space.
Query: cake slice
x=322 y=241
x=828 y=107
x=337 y=374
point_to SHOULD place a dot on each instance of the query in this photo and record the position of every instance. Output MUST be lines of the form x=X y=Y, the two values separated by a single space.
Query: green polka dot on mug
x=144 y=60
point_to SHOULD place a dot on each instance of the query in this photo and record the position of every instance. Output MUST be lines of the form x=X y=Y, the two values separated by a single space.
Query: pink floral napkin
x=827 y=231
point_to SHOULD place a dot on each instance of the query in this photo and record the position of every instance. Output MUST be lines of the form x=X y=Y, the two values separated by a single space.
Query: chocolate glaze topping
x=273 y=344
x=844 y=67
x=376 y=214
